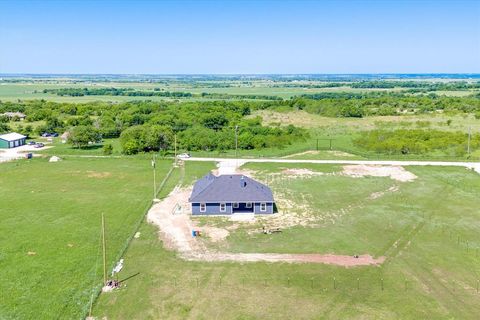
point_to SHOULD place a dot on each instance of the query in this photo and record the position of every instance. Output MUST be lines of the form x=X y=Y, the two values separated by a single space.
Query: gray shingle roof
x=12 y=136
x=230 y=188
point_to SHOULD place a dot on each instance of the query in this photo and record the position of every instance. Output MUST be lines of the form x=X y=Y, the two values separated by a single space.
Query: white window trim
x=236 y=205
x=223 y=207
x=263 y=206
x=203 y=207
x=248 y=205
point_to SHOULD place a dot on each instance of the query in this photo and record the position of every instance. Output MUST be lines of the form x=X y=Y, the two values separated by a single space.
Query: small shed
x=12 y=140
x=229 y=194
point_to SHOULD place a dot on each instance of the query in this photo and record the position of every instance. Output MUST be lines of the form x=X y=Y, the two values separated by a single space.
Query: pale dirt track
x=233 y=162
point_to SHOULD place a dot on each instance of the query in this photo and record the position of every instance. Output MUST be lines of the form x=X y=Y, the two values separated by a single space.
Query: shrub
x=107 y=149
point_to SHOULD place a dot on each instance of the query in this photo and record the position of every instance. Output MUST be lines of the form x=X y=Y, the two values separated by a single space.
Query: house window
x=263 y=207
x=203 y=207
x=248 y=205
x=235 y=205
x=223 y=207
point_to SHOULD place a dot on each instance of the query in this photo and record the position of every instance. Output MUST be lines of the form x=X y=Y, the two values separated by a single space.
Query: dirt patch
x=397 y=173
x=215 y=234
x=100 y=175
x=337 y=153
x=312 y=152
x=31 y=253
x=376 y=195
x=302 y=172
x=339 y=260
x=175 y=230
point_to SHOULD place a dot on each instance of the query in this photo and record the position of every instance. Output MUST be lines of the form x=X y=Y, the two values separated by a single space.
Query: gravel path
x=223 y=162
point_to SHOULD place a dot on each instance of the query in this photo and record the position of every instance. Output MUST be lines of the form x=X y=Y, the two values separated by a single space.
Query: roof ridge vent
x=243 y=183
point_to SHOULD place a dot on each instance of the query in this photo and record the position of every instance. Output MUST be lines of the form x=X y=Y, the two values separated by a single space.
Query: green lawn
x=50 y=225
x=59 y=148
x=428 y=230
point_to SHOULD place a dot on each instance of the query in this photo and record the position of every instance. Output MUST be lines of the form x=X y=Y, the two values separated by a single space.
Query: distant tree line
x=156 y=92
x=421 y=86
x=343 y=104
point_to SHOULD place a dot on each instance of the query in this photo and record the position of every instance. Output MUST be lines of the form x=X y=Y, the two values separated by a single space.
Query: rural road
x=229 y=165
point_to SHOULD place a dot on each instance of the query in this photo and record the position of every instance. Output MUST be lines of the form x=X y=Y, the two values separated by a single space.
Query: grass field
x=428 y=230
x=51 y=218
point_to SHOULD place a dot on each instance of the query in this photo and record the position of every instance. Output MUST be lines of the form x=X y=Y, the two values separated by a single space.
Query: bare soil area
x=394 y=172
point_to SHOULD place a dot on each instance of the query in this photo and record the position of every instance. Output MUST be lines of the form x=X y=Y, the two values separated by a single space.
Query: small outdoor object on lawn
x=39 y=145
x=31 y=143
x=271 y=230
x=54 y=159
x=28 y=155
x=113 y=284
x=183 y=156
x=356 y=256
x=196 y=233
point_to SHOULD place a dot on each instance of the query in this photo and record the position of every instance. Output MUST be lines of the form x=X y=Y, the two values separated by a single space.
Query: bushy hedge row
x=416 y=141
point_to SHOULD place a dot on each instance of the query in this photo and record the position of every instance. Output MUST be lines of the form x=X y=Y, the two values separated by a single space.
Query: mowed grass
x=50 y=213
x=428 y=230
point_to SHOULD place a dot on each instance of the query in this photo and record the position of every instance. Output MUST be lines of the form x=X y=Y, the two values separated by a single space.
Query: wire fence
x=320 y=284
x=95 y=293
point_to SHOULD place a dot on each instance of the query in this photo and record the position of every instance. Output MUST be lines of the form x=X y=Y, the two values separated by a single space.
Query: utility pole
x=175 y=147
x=236 y=140
x=175 y=143
x=469 y=137
x=104 y=251
x=154 y=178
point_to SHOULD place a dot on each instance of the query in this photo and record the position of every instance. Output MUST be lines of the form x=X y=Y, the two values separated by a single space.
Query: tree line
x=156 y=92
x=144 y=126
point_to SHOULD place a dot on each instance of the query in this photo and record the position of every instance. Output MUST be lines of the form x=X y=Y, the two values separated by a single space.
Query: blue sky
x=239 y=37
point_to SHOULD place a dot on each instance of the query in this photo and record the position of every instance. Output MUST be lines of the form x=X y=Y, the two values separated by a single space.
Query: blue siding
x=269 y=208
x=214 y=208
x=211 y=209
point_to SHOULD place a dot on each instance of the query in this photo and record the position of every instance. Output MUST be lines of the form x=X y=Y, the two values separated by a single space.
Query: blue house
x=229 y=194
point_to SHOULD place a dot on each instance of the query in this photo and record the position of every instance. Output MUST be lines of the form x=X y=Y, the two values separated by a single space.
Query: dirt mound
x=394 y=172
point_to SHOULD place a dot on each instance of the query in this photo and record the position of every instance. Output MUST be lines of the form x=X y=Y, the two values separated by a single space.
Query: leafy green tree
x=82 y=136
x=132 y=140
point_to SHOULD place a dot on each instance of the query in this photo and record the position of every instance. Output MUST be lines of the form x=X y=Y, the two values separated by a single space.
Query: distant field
x=25 y=91
x=428 y=230
x=51 y=220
